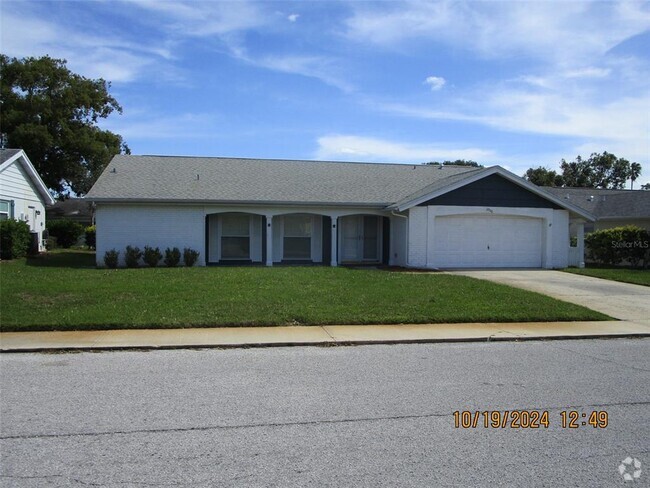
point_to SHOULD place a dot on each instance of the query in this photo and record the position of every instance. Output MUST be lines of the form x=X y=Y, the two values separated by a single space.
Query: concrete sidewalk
x=313 y=335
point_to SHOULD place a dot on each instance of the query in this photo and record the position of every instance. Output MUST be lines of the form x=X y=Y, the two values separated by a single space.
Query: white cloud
x=111 y=58
x=565 y=32
x=227 y=21
x=435 y=82
x=588 y=72
x=622 y=123
x=351 y=147
x=319 y=67
x=204 y=19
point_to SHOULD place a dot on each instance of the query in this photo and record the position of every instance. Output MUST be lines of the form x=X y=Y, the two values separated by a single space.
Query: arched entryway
x=235 y=238
x=363 y=239
x=301 y=238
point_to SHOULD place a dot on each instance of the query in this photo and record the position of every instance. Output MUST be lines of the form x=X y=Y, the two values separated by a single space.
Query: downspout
x=406 y=236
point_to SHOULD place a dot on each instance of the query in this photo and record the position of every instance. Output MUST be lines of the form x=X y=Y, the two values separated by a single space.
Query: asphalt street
x=326 y=416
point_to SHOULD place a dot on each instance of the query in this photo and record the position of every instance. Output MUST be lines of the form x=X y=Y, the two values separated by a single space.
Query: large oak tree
x=53 y=113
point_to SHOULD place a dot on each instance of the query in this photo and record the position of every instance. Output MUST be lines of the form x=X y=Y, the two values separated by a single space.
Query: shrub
x=190 y=256
x=152 y=256
x=132 y=256
x=111 y=258
x=50 y=243
x=621 y=244
x=91 y=236
x=172 y=257
x=67 y=232
x=15 y=239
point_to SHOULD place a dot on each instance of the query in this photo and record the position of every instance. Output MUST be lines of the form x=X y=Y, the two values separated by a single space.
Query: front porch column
x=269 y=240
x=335 y=241
x=581 y=244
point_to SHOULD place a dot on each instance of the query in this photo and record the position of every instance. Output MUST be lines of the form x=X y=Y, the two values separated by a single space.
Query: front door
x=360 y=238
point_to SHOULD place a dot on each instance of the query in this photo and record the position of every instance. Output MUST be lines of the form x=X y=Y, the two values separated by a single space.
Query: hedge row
x=151 y=256
x=619 y=245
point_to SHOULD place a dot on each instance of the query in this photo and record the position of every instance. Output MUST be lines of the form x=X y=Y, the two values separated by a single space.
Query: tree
x=646 y=186
x=635 y=172
x=544 y=177
x=458 y=162
x=599 y=171
x=52 y=114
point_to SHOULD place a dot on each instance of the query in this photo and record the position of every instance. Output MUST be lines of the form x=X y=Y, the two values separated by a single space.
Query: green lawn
x=636 y=276
x=63 y=291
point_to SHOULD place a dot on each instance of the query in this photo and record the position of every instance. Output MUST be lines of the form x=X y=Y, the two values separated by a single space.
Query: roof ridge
x=424 y=165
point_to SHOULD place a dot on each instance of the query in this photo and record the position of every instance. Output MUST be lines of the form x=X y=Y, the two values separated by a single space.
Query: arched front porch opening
x=234 y=238
x=301 y=238
x=363 y=239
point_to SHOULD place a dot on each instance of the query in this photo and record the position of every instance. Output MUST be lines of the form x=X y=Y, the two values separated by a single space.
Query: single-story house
x=612 y=208
x=23 y=195
x=237 y=211
x=78 y=210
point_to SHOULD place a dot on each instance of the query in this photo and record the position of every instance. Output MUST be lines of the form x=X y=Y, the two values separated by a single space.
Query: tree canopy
x=458 y=162
x=543 y=177
x=52 y=114
x=598 y=171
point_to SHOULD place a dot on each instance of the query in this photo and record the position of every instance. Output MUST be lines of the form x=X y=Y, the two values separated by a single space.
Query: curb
x=333 y=343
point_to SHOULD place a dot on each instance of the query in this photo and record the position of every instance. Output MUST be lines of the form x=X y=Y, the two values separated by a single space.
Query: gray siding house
x=23 y=195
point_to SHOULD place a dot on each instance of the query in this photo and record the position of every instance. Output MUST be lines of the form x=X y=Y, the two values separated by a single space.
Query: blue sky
x=513 y=83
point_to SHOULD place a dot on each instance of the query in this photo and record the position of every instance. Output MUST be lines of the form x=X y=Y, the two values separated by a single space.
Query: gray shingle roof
x=232 y=180
x=6 y=154
x=607 y=203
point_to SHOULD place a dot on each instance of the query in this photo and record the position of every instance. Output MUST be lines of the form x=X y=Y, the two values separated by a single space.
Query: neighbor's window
x=4 y=209
x=235 y=237
x=297 y=237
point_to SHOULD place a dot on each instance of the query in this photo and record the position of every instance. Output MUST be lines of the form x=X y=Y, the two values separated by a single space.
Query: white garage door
x=487 y=242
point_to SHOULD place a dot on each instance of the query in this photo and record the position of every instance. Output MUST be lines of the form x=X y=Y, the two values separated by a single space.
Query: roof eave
x=234 y=202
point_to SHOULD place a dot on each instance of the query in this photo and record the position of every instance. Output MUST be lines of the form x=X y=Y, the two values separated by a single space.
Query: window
x=297 y=237
x=5 y=207
x=235 y=237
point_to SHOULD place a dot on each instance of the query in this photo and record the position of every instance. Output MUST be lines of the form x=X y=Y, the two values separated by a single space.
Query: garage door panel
x=487 y=241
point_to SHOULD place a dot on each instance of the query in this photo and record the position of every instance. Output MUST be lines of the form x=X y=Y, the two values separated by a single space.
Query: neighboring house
x=23 y=195
x=277 y=211
x=612 y=208
x=77 y=209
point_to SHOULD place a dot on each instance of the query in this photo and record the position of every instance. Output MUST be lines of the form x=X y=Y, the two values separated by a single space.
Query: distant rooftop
x=607 y=203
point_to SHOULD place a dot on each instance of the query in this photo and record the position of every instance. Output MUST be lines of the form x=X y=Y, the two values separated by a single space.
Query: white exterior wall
x=28 y=206
x=422 y=220
x=160 y=226
x=561 y=241
x=417 y=237
x=183 y=225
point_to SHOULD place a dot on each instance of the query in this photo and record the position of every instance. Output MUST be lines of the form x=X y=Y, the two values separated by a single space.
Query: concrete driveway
x=622 y=301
